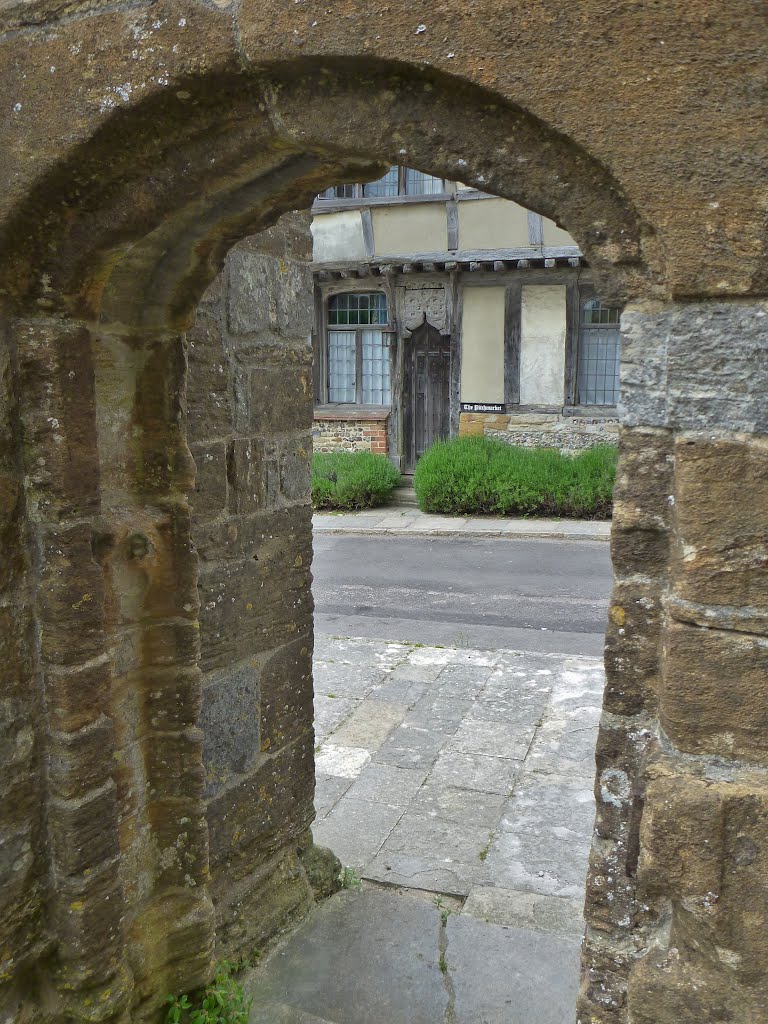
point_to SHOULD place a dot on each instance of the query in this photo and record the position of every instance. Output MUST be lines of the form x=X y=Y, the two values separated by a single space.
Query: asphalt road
x=541 y=595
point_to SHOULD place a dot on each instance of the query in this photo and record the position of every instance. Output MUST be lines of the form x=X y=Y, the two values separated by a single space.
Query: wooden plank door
x=427 y=401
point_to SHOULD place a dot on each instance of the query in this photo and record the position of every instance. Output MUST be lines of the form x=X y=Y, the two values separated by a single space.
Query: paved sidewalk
x=458 y=784
x=396 y=520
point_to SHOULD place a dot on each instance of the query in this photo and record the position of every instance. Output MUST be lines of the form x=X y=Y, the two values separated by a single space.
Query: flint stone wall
x=542 y=430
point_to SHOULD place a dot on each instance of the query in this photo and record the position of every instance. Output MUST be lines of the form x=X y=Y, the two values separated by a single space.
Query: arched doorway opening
x=99 y=296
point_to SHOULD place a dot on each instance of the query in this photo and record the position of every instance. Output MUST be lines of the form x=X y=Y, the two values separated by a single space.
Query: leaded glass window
x=358 y=349
x=385 y=186
x=599 y=354
x=341 y=366
x=417 y=183
x=375 y=390
x=357 y=309
x=398 y=181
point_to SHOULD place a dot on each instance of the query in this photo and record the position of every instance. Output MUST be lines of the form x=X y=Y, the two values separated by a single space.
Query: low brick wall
x=354 y=430
x=542 y=430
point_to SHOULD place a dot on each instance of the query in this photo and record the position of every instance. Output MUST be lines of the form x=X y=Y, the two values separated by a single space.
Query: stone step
x=404 y=496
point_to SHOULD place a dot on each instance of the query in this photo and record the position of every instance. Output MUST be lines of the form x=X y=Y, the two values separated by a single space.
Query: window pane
x=376 y=384
x=599 y=354
x=419 y=184
x=353 y=308
x=386 y=186
x=341 y=366
x=599 y=359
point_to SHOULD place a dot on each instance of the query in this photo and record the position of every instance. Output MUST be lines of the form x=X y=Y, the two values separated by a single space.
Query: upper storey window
x=398 y=181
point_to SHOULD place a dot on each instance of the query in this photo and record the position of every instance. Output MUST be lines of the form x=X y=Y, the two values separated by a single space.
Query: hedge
x=471 y=475
x=352 y=480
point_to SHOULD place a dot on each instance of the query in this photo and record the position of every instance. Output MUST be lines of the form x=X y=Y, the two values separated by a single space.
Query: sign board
x=496 y=407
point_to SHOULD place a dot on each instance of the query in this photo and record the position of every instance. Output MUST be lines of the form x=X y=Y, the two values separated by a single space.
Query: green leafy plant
x=349 y=878
x=475 y=475
x=222 y=1002
x=352 y=480
x=445 y=913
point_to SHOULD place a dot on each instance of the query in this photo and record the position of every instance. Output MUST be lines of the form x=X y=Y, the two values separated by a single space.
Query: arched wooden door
x=427 y=391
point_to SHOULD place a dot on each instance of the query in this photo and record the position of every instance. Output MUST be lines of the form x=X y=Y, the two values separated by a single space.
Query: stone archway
x=118 y=216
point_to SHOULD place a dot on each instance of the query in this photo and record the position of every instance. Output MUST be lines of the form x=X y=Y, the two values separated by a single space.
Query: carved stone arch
x=151 y=214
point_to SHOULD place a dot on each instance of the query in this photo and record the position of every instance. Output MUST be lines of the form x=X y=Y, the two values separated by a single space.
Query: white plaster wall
x=542 y=345
x=555 y=236
x=492 y=223
x=414 y=228
x=482 y=345
x=337 y=237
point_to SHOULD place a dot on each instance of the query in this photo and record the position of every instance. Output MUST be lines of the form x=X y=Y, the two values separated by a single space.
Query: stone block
x=254 y=818
x=514 y=908
x=622 y=749
x=229 y=719
x=296 y=471
x=633 y=646
x=210 y=392
x=246 y=473
x=17 y=648
x=610 y=893
x=721 y=513
x=210 y=495
x=253 y=606
x=11 y=516
x=83 y=831
x=370 y=724
x=81 y=761
x=275 y=894
x=71 y=597
x=78 y=695
x=644 y=478
x=265 y=537
x=59 y=417
x=280 y=400
x=704 y=850
x=174 y=765
x=286 y=695
x=603 y=995
x=171 y=643
x=267 y=294
x=172 y=697
x=666 y=987
x=714 y=696
x=519 y=860
x=180 y=837
x=86 y=917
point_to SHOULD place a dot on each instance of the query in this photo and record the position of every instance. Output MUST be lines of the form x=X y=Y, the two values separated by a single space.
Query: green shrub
x=221 y=1002
x=350 y=480
x=471 y=475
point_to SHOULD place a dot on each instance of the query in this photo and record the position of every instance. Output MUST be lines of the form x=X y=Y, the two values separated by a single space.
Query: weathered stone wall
x=249 y=415
x=677 y=916
x=140 y=142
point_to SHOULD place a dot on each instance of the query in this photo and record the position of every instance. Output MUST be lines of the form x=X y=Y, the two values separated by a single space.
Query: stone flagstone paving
x=461 y=772
x=458 y=785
